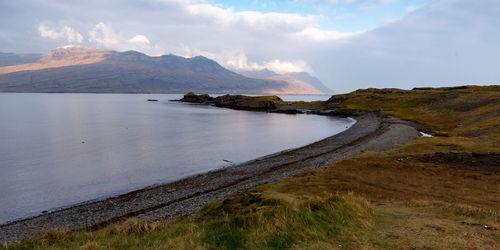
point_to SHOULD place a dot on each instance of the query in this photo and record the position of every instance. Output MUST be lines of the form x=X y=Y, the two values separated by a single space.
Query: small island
x=272 y=104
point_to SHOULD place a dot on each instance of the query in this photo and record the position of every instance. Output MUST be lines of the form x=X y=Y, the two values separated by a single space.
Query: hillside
x=81 y=69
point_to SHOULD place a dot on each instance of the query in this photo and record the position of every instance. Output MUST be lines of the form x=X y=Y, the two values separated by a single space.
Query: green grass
x=277 y=227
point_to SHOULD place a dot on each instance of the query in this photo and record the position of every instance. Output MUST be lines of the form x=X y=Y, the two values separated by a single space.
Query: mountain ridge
x=81 y=69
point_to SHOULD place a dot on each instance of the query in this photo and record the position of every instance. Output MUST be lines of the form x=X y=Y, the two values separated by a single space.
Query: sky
x=347 y=44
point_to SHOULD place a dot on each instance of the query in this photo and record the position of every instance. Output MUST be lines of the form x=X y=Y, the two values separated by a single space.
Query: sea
x=57 y=150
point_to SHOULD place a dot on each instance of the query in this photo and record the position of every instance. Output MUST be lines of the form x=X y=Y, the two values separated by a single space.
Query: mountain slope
x=298 y=82
x=80 y=69
x=315 y=82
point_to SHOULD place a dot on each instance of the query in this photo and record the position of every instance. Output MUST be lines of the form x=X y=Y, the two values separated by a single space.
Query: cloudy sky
x=348 y=44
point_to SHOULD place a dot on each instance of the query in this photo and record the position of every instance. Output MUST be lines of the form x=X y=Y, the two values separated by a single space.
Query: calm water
x=61 y=149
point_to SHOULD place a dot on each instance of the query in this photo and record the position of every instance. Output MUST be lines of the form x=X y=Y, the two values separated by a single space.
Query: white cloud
x=279 y=66
x=253 y=32
x=238 y=61
x=365 y=5
x=104 y=35
x=65 y=33
x=412 y=8
x=371 y=2
x=139 y=39
x=283 y=24
x=318 y=35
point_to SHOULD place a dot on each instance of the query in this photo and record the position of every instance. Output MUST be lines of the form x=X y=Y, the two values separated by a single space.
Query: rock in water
x=192 y=97
x=247 y=102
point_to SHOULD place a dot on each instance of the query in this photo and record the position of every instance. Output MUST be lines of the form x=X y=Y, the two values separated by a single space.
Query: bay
x=61 y=149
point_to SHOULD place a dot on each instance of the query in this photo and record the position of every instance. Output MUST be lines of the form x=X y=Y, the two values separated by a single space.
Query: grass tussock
x=280 y=226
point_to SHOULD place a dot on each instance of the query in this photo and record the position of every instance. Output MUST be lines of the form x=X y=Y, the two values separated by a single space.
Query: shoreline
x=372 y=132
x=124 y=191
x=152 y=186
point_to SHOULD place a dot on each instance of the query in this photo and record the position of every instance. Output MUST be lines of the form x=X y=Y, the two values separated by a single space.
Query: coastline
x=372 y=132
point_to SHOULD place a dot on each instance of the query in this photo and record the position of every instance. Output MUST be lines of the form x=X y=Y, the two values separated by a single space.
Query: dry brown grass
x=399 y=177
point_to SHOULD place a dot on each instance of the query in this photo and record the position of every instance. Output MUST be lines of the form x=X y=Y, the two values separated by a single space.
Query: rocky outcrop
x=247 y=102
x=272 y=104
x=240 y=102
x=338 y=98
x=193 y=98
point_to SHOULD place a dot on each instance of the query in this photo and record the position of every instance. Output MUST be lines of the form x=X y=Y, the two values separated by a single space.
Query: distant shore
x=372 y=132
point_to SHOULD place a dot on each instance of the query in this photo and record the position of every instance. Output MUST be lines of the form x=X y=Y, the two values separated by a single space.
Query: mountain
x=82 y=69
x=298 y=82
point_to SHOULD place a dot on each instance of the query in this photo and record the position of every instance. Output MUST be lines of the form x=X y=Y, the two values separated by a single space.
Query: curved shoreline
x=187 y=196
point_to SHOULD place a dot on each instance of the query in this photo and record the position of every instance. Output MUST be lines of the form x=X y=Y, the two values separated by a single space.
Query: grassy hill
x=436 y=192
